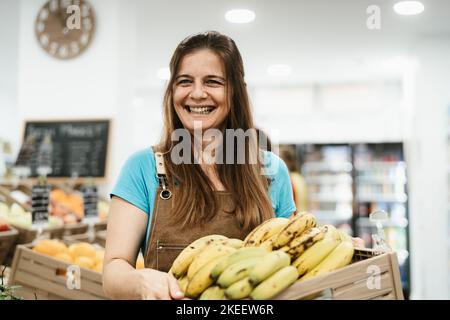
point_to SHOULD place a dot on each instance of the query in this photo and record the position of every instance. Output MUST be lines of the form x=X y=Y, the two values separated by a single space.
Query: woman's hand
x=358 y=243
x=153 y=284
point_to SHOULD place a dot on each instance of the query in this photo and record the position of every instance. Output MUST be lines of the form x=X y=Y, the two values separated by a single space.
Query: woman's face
x=200 y=91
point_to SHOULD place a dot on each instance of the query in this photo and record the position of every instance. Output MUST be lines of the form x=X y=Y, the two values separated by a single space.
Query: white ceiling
x=323 y=40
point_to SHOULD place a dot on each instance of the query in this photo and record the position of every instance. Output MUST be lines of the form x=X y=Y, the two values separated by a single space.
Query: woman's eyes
x=210 y=82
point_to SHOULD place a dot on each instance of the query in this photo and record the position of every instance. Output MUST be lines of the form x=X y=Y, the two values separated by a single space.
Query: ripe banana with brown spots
x=181 y=264
x=295 y=227
x=304 y=241
x=264 y=231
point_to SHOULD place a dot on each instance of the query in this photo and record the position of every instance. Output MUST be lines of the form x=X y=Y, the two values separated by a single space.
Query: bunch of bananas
x=272 y=257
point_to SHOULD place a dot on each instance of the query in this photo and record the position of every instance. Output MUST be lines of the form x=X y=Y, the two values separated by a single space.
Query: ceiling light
x=164 y=73
x=240 y=16
x=279 y=70
x=409 y=8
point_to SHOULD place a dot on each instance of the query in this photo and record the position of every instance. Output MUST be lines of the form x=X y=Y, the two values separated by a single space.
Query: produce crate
x=83 y=237
x=76 y=228
x=28 y=235
x=351 y=282
x=100 y=226
x=44 y=276
x=7 y=241
x=100 y=238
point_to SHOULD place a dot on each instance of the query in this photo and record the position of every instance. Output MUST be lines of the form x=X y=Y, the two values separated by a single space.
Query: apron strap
x=165 y=193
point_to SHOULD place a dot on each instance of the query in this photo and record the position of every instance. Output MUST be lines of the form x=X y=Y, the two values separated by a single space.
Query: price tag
x=39 y=203
x=90 y=199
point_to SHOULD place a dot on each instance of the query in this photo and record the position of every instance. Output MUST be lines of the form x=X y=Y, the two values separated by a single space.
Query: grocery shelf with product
x=347 y=182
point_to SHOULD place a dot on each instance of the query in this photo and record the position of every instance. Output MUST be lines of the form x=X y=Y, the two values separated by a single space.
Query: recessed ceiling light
x=240 y=16
x=164 y=73
x=409 y=8
x=279 y=70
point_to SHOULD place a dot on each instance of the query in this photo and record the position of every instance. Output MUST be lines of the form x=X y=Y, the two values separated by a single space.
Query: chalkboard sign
x=66 y=148
x=90 y=201
x=39 y=203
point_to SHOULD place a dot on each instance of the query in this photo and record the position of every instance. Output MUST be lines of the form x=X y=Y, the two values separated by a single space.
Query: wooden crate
x=100 y=226
x=351 y=282
x=76 y=228
x=43 y=276
x=7 y=241
x=100 y=238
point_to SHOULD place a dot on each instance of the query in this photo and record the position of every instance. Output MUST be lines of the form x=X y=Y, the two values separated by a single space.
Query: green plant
x=7 y=292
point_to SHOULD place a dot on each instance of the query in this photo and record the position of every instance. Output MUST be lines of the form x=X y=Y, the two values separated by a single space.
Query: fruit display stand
x=7 y=241
x=100 y=226
x=44 y=276
x=100 y=237
x=76 y=228
x=372 y=275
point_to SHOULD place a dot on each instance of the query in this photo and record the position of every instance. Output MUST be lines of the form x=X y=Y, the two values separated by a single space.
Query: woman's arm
x=127 y=225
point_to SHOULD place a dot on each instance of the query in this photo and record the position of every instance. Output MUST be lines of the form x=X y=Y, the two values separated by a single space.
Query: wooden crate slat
x=361 y=289
x=339 y=278
x=41 y=270
x=50 y=286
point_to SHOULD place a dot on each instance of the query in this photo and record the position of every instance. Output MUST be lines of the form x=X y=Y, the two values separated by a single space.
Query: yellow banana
x=265 y=231
x=234 y=243
x=268 y=265
x=238 y=255
x=213 y=293
x=236 y=272
x=209 y=253
x=184 y=259
x=344 y=236
x=338 y=258
x=182 y=283
x=304 y=241
x=268 y=244
x=239 y=290
x=276 y=283
x=331 y=231
x=201 y=280
x=314 y=255
x=295 y=227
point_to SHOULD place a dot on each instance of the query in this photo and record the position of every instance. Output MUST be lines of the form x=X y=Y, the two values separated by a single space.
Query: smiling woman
x=160 y=205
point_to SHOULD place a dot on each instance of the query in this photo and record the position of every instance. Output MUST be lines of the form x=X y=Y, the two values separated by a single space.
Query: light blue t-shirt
x=137 y=184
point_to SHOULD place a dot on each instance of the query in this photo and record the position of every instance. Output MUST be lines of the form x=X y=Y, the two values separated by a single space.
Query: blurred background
x=356 y=94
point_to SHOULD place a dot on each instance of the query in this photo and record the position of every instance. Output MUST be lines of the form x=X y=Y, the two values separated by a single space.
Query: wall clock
x=64 y=28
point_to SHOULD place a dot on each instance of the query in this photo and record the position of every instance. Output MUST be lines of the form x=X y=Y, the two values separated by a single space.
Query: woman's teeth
x=200 y=110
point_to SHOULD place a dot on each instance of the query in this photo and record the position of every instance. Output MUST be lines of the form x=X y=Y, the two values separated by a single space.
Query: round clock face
x=64 y=29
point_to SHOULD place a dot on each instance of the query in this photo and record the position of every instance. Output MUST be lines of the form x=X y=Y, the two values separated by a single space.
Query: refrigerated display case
x=346 y=182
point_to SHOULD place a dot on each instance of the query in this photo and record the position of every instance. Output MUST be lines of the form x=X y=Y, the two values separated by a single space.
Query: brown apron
x=166 y=240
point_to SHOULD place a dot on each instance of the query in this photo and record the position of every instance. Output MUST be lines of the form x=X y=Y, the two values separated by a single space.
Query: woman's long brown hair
x=194 y=198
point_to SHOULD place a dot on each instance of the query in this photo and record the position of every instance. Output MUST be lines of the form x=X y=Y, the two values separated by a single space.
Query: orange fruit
x=82 y=249
x=64 y=256
x=140 y=262
x=50 y=247
x=84 y=262
x=98 y=267
x=99 y=256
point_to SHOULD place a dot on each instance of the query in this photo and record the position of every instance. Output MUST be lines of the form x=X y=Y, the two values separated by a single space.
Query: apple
x=4 y=226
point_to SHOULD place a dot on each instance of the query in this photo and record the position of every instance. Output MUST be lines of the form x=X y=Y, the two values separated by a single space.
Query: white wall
x=428 y=167
x=9 y=31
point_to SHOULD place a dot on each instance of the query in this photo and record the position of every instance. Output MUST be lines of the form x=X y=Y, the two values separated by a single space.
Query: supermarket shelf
x=381 y=180
x=396 y=223
x=368 y=166
x=320 y=166
x=332 y=215
x=332 y=179
x=329 y=198
x=382 y=198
